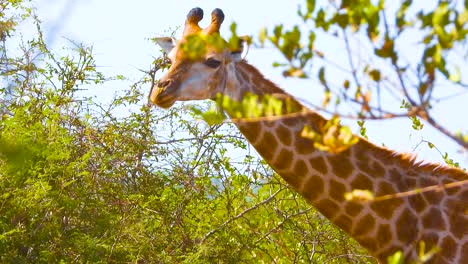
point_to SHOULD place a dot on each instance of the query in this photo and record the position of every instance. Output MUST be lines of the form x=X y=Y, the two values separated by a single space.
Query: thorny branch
x=230 y=220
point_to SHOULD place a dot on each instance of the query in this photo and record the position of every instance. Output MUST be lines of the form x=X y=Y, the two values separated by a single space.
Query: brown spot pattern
x=458 y=219
x=296 y=177
x=433 y=219
x=267 y=146
x=385 y=188
x=303 y=145
x=386 y=208
x=407 y=227
x=449 y=247
x=313 y=187
x=328 y=208
x=430 y=239
x=336 y=190
x=384 y=235
x=251 y=130
x=292 y=179
x=364 y=226
x=464 y=255
x=284 y=135
x=319 y=164
x=344 y=222
x=433 y=197
x=368 y=243
x=362 y=182
x=300 y=169
x=284 y=160
x=376 y=170
x=341 y=165
x=417 y=202
x=353 y=208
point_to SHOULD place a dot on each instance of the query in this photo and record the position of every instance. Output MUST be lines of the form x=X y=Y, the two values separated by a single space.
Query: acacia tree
x=388 y=60
x=87 y=181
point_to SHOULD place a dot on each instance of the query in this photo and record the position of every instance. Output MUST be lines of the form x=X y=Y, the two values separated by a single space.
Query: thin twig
x=282 y=223
x=435 y=188
x=460 y=141
x=240 y=215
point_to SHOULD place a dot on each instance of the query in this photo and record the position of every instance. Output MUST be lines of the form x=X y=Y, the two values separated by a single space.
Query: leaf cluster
x=87 y=180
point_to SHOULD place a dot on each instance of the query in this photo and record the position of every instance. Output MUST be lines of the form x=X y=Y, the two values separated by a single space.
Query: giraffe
x=439 y=218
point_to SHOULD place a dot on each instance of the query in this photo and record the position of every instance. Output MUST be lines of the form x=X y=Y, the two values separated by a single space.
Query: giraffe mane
x=257 y=76
x=410 y=160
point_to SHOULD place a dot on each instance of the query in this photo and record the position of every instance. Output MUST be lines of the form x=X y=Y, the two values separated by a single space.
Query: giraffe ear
x=166 y=43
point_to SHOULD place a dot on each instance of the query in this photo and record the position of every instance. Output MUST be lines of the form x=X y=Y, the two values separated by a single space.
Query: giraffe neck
x=322 y=178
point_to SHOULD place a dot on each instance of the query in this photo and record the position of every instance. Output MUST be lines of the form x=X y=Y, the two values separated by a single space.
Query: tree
x=84 y=181
x=411 y=53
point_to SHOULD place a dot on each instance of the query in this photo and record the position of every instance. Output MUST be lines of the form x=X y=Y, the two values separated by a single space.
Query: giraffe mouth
x=165 y=101
x=161 y=98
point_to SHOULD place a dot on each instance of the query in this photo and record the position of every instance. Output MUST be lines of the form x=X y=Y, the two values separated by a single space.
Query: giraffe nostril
x=164 y=84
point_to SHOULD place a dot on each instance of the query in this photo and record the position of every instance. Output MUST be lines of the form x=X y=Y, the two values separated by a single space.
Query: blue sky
x=119 y=32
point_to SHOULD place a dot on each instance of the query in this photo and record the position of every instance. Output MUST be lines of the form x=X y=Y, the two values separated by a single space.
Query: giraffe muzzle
x=162 y=94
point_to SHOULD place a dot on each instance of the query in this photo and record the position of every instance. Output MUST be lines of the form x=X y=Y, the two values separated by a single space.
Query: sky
x=119 y=32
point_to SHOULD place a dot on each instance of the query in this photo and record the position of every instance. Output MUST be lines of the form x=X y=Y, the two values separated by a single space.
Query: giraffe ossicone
x=438 y=218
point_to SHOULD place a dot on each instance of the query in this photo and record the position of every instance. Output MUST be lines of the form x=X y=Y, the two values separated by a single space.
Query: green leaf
x=417 y=124
x=362 y=128
x=401 y=13
x=387 y=50
x=375 y=75
x=342 y=20
x=321 y=76
x=294 y=72
x=310 y=6
x=396 y=258
x=262 y=36
x=456 y=76
x=346 y=84
x=320 y=20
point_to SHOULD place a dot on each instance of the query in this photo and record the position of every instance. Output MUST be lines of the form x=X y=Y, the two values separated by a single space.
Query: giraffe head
x=195 y=76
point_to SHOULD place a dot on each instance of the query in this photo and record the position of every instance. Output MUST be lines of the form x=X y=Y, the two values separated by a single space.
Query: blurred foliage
x=333 y=137
x=379 y=53
x=86 y=181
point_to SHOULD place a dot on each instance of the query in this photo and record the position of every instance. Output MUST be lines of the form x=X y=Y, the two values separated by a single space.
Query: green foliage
x=362 y=128
x=434 y=37
x=83 y=181
x=417 y=125
x=196 y=46
x=250 y=107
x=8 y=22
x=289 y=43
x=450 y=161
x=333 y=137
x=396 y=258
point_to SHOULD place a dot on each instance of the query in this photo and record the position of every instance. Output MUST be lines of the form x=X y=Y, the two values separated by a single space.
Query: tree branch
x=443 y=130
x=240 y=215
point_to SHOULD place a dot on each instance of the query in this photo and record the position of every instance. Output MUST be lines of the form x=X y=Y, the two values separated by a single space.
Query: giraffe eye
x=212 y=63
